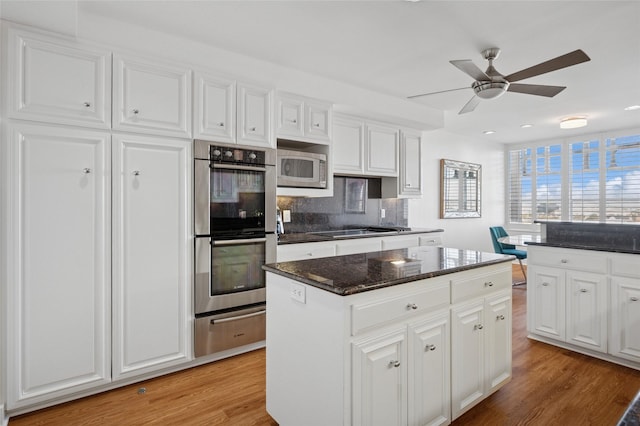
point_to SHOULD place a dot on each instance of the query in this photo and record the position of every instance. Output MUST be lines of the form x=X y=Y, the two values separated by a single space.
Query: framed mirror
x=459 y=189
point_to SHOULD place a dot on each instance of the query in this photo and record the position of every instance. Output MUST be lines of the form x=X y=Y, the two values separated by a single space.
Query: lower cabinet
x=96 y=290
x=402 y=377
x=625 y=318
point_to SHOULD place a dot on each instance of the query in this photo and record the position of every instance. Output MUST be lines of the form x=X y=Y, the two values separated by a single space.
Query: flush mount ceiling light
x=489 y=132
x=573 y=122
x=526 y=126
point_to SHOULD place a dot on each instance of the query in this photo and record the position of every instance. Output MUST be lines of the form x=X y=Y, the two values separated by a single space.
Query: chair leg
x=523 y=273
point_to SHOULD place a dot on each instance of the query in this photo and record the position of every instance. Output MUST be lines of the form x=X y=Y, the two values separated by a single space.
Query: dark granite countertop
x=611 y=237
x=586 y=246
x=310 y=237
x=631 y=417
x=356 y=273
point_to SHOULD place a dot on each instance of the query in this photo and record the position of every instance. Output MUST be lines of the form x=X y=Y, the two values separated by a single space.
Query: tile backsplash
x=355 y=202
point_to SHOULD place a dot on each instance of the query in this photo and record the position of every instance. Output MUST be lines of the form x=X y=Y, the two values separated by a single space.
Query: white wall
x=472 y=233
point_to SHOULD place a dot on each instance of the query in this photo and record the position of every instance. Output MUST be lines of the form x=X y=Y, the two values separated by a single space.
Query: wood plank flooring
x=550 y=386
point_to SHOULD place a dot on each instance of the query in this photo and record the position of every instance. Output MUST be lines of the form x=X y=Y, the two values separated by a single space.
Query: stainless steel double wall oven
x=235 y=222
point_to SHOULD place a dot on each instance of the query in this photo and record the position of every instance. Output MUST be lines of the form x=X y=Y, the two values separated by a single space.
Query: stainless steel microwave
x=302 y=169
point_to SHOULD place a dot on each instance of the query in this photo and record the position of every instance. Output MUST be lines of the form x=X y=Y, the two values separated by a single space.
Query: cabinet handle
x=309 y=254
x=499 y=317
x=430 y=348
x=136 y=172
x=564 y=261
x=545 y=284
x=136 y=111
x=86 y=170
x=488 y=284
x=412 y=306
x=633 y=298
x=394 y=364
x=87 y=104
x=477 y=327
x=583 y=290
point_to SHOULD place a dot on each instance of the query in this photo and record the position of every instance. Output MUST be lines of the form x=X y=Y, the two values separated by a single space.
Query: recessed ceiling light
x=489 y=132
x=526 y=126
x=632 y=108
x=573 y=122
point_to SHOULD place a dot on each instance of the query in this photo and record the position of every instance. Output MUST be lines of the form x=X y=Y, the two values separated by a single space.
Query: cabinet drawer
x=479 y=285
x=568 y=259
x=626 y=265
x=378 y=312
x=290 y=252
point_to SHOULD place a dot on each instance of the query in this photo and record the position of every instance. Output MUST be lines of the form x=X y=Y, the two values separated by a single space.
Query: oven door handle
x=237 y=242
x=239 y=317
x=238 y=167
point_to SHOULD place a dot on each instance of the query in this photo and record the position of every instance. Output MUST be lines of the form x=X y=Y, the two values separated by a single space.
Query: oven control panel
x=224 y=154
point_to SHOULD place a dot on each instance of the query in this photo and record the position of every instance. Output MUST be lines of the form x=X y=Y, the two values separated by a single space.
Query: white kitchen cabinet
x=152 y=254
x=431 y=239
x=151 y=97
x=51 y=79
x=381 y=150
x=568 y=299
x=303 y=119
x=358 y=245
x=214 y=108
x=289 y=252
x=58 y=245
x=410 y=182
x=348 y=145
x=624 y=338
x=255 y=115
x=400 y=241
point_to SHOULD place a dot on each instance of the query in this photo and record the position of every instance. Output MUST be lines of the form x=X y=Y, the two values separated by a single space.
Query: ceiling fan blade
x=467 y=66
x=435 y=93
x=535 y=89
x=572 y=58
x=470 y=106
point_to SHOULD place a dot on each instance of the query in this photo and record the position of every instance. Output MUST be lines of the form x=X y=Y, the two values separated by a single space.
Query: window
x=596 y=180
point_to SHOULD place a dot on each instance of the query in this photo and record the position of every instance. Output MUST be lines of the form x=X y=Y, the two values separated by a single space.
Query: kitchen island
x=409 y=336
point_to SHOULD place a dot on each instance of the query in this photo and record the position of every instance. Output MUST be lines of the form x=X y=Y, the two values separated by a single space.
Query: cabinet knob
x=136 y=111
x=564 y=261
x=136 y=172
x=294 y=121
x=583 y=290
x=488 y=284
x=316 y=124
x=394 y=364
x=252 y=129
x=309 y=254
x=430 y=348
x=633 y=298
x=412 y=306
x=221 y=124
x=86 y=170
x=544 y=284
x=477 y=327
x=87 y=104
x=500 y=317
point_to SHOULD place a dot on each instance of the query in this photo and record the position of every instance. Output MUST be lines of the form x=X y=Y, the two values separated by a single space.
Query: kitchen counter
x=596 y=246
x=609 y=237
x=356 y=273
x=313 y=237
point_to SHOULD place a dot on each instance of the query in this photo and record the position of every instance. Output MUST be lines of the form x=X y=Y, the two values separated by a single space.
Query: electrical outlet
x=382 y=213
x=298 y=292
x=286 y=215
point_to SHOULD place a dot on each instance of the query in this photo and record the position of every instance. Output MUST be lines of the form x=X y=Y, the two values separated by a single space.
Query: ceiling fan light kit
x=573 y=122
x=490 y=84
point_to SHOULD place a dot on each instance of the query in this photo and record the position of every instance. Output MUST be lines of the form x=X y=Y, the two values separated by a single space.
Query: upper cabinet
x=232 y=112
x=364 y=148
x=56 y=81
x=150 y=97
x=410 y=183
x=303 y=119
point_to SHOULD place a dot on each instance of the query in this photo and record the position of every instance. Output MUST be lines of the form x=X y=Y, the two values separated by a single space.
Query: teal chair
x=501 y=248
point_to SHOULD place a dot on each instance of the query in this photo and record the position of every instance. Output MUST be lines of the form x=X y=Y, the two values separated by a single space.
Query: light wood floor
x=550 y=386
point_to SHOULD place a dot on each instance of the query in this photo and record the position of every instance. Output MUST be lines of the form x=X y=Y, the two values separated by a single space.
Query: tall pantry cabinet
x=97 y=285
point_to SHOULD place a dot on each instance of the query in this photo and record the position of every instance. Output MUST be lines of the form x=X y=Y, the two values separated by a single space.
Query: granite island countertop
x=357 y=273
x=313 y=237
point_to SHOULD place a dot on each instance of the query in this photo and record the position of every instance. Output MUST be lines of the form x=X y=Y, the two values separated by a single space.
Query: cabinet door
x=290 y=117
x=318 y=121
x=54 y=81
x=429 y=372
x=152 y=254
x=58 y=258
x=546 y=307
x=151 y=98
x=254 y=116
x=410 y=165
x=214 y=109
x=467 y=357
x=586 y=310
x=625 y=318
x=381 y=150
x=498 y=322
x=348 y=146
x=379 y=381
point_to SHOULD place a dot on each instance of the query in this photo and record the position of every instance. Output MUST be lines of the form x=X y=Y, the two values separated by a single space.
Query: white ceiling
x=403 y=48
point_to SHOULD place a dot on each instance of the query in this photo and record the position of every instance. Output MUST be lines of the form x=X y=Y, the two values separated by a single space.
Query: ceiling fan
x=490 y=84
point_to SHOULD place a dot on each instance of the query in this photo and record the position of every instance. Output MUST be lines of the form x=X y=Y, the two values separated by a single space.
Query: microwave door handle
x=237 y=242
x=238 y=167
